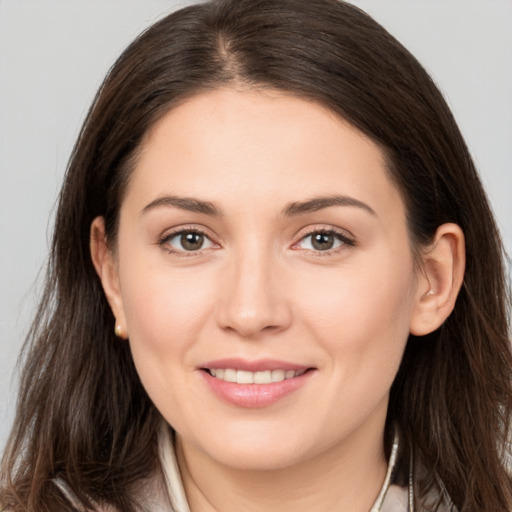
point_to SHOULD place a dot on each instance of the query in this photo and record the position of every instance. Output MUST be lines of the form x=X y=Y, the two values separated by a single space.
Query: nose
x=253 y=298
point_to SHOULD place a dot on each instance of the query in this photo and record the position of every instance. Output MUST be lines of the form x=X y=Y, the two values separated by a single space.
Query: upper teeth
x=244 y=377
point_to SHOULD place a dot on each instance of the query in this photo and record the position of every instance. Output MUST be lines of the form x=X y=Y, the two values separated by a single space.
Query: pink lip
x=259 y=365
x=252 y=396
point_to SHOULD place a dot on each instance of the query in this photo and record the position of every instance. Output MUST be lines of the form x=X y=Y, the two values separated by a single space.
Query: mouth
x=254 y=384
x=259 y=377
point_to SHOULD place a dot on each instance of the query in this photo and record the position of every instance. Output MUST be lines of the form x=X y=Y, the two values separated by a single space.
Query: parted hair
x=82 y=413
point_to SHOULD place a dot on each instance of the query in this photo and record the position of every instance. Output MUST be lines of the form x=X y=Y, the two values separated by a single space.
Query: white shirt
x=391 y=498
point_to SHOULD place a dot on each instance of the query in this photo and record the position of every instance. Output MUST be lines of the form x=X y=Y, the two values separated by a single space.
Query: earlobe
x=106 y=268
x=440 y=280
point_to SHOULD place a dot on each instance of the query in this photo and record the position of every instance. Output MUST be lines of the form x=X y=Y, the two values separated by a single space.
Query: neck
x=345 y=478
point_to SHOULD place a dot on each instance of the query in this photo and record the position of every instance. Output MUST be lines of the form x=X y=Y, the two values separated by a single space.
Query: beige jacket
x=169 y=496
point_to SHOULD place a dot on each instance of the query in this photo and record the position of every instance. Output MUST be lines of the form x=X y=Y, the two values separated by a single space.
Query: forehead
x=262 y=145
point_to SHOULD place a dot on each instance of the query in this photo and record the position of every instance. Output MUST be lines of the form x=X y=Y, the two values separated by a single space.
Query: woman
x=275 y=283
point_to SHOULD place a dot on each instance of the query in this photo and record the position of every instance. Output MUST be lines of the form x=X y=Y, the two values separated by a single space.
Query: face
x=264 y=276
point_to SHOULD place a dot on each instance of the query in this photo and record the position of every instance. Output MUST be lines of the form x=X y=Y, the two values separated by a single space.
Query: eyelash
x=164 y=242
x=342 y=237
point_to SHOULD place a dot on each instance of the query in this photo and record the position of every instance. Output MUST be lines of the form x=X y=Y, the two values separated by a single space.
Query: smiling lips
x=246 y=377
x=254 y=385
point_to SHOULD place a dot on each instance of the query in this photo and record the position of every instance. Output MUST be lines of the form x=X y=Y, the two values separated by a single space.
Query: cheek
x=165 y=313
x=361 y=321
x=362 y=311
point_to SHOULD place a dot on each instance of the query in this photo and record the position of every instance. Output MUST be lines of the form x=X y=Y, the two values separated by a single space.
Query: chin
x=257 y=447
x=259 y=458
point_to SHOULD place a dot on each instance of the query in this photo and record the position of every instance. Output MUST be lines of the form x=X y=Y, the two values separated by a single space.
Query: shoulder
x=150 y=493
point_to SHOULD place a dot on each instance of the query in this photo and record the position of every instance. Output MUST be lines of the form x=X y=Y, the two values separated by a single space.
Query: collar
x=391 y=498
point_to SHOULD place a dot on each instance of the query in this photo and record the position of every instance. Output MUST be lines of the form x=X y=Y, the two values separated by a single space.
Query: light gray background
x=54 y=54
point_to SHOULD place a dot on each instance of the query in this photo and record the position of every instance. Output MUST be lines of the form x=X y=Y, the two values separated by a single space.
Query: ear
x=439 y=279
x=106 y=267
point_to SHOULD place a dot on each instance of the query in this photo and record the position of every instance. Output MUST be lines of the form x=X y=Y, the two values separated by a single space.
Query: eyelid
x=166 y=236
x=348 y=240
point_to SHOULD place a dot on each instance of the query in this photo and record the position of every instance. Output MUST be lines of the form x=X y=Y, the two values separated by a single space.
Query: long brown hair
x=82 y=412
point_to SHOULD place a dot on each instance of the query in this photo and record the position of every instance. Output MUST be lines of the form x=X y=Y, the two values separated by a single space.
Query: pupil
x=192 y=241
x=323 y=241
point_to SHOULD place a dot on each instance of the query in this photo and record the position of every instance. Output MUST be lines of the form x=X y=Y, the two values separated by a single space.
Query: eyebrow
x=319 y=203
x=184 y=203
x=290 y=210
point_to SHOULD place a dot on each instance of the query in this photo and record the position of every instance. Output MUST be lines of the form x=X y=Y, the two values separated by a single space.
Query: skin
x=258 y=288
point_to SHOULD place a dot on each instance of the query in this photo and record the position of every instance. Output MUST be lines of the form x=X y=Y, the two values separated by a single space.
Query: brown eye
x=187 y=241
x=322 y=241
x=192 y=241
